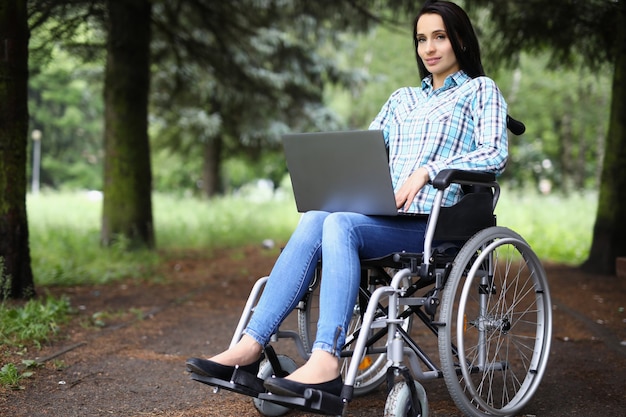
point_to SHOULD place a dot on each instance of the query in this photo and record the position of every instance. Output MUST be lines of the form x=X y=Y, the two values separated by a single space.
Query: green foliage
x=65 y=104
x=78 y=175
x=10 y=376
x=33 y=322
x=236 y=85
x=566 y=111
x=564 y=139
x=174 y=173
x=237 y=172
x=386 y=56
x=555 y=26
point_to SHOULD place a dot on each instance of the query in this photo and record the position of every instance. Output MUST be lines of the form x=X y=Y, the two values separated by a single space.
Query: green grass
x=65 y=230
x=224 y=222
x=558 y=229
x=23 y=326
x=11 y=376
x=32 y=322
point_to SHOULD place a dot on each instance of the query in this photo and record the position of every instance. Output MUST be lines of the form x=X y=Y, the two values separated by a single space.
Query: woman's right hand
x=406 y=194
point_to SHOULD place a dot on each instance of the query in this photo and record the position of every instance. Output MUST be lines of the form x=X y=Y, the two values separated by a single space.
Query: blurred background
x=226 y=79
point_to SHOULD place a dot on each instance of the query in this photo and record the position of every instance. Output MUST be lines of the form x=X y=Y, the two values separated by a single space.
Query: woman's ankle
x=245 y=352
x=321 y=367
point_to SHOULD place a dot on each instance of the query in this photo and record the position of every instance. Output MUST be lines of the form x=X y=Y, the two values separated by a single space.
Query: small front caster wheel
x=400 y=404
x=267 y=408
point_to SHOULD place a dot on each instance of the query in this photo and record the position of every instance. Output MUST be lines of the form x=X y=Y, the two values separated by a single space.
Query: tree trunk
x=211 y=166
x=16 y=276
x=127 y=205
x=610 y=228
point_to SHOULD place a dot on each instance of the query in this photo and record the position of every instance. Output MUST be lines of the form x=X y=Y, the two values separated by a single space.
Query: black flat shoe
x=212 y=369
x=282 y=386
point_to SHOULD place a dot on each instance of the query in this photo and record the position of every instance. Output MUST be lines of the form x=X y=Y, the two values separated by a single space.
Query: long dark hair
x=461 y=34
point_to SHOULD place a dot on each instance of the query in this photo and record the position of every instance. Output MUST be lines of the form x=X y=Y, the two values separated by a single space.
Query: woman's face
x=434 y=48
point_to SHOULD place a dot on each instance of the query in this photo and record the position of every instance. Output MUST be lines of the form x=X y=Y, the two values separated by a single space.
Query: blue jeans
x=342 y=239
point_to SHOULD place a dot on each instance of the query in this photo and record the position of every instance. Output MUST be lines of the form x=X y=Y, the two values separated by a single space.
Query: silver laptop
x=340 y=171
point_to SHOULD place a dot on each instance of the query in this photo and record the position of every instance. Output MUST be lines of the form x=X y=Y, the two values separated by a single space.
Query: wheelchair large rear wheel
x=497 y=312
x=373 y=366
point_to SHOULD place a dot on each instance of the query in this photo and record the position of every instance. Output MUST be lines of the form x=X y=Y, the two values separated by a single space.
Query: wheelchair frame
x=488 y=305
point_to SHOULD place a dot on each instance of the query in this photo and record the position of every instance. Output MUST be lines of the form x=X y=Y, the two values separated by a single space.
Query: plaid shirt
x=461 y=125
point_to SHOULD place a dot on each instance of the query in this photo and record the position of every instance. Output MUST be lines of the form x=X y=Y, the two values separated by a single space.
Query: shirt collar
x=452 y=80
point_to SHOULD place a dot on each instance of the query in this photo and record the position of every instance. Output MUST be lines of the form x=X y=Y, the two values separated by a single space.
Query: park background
x=550 y=184
x=549 y=189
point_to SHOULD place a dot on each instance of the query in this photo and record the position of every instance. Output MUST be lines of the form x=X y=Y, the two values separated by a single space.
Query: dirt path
x=133 y=364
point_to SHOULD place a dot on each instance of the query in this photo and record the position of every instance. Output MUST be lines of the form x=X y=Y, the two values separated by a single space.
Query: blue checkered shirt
x=461 y=125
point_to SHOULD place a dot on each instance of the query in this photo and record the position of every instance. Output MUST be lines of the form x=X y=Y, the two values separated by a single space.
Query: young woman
x=456 y=118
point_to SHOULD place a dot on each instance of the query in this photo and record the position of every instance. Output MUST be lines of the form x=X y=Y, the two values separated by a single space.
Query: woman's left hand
x=408 y=191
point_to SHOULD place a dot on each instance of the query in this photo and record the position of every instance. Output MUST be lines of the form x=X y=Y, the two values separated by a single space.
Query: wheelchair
x=478 y=288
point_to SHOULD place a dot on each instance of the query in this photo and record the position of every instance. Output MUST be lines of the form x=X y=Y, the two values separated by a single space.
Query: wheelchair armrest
x=449 y=176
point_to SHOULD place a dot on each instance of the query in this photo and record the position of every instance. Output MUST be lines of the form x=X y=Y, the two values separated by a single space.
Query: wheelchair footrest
x=241 y=382
x=313 y=401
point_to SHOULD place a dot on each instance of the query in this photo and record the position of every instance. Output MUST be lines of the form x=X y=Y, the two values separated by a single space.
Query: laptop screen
x=340 y=171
